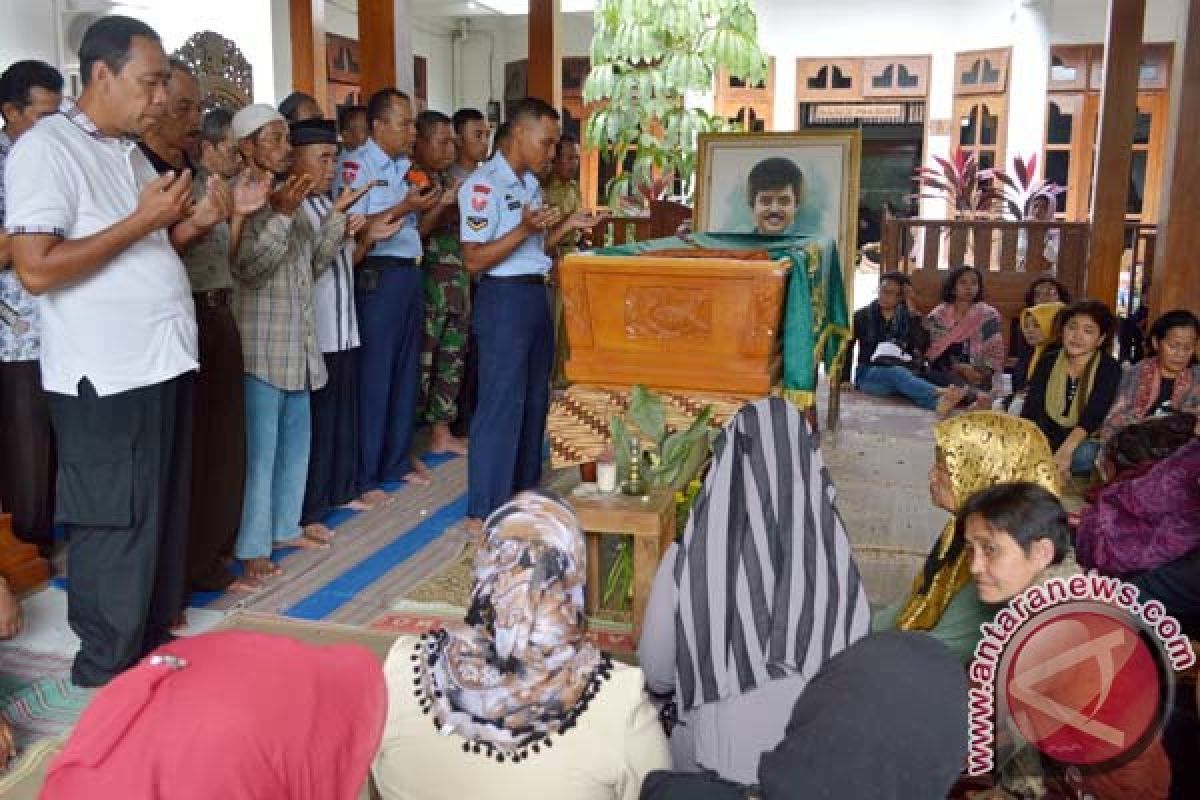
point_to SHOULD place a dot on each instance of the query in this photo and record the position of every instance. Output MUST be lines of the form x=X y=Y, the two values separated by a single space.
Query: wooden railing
x=664 y=219
x=927 y=249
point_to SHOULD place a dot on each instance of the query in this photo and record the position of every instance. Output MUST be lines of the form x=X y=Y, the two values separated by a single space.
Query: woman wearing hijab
x=1045 y=291
x=231 y=715
x=973 y=451
x=883 y=720
x=516 y=702
x=761 y=592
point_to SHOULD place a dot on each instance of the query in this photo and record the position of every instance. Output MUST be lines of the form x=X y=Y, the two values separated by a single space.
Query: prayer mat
x=377 y=555
x=36 y=694
x=579 y=418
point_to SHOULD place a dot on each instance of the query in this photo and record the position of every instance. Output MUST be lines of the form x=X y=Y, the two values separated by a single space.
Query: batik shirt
x=18 y=309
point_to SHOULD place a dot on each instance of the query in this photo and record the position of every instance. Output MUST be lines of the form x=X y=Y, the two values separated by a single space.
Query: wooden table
x=650 y=520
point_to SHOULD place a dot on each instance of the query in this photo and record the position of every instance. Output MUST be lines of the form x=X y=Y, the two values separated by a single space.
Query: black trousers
x=218 y=450
x=27 y=459
x=123 y=490
x=333 y=465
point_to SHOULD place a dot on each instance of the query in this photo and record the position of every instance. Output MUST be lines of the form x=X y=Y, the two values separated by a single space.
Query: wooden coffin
x=708 y=324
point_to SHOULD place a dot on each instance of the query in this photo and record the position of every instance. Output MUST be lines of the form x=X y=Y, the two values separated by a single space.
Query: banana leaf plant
x=646 y=55
x=959 y=181
x=1022 y=192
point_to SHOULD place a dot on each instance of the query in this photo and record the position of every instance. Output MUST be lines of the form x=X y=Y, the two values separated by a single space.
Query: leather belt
x=535 y=279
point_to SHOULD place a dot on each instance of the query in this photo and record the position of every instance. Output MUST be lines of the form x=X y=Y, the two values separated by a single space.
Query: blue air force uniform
x=390 y=306
x=515 y=340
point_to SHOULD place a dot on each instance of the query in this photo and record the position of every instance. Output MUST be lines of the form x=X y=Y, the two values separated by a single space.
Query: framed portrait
x=780 y=183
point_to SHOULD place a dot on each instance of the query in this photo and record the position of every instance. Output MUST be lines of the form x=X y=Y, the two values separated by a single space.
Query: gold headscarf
x=979 y=449
x=1043 y=316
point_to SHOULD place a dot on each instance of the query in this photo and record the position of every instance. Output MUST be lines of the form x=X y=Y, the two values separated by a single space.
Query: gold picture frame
x=832 y=156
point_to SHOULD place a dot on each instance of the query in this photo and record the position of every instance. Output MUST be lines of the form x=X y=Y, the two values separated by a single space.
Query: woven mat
x=36 y=694
x=579 y=417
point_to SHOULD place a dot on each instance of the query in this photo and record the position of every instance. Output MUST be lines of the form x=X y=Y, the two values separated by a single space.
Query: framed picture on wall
x=780 y=183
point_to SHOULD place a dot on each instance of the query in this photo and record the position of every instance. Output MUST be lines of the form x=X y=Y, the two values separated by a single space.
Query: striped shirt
x=277 y=262
x=337 y=322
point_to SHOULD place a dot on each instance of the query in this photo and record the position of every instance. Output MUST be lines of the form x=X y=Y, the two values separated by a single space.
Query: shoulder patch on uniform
x=481 y=188
x=477 y=223
x=350 y=171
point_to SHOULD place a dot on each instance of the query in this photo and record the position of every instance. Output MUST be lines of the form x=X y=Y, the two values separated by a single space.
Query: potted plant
x=646 y=55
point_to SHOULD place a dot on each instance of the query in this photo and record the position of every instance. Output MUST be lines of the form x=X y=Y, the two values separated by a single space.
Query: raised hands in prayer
x=534 y=220
x=349 y=197
x=250 y=192
x=288 y=197
x=420 y=199
x=165 y=200
x=355 y=223
x=585 y=219
x=216 y=205
x=383 y=227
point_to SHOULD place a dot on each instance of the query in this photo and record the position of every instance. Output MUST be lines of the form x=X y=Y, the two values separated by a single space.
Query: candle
x=606 y=476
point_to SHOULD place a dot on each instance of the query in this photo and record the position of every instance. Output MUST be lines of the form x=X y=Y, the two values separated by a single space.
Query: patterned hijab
x=521 y=666
x=767 y=587
x=979 y=449
x=1043 y=317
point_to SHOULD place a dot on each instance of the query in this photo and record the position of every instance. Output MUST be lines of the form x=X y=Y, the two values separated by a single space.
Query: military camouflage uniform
x=447 y=319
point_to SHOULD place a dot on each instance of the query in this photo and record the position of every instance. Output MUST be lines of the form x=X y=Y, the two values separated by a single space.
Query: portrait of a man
x=773 y=191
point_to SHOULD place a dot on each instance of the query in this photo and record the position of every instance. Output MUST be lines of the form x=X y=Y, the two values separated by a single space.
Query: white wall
x=1084 y=22
x=27 y=30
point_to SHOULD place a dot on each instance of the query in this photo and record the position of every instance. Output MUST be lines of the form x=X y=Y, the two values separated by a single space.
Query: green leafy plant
x=646 y=55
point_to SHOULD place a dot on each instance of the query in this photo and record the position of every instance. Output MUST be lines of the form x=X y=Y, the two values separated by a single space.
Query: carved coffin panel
x=667 y=312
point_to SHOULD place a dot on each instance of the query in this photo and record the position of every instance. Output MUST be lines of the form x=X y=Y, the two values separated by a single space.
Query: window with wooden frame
x=1076 y=82
x=895 y=76
x=982 y=72
x=820 y=80
x=753 y=107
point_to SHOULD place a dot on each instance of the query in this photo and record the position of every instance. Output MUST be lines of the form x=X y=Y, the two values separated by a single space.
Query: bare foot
x=374 y=498
x=245 y=585
x=951 y=397
x=318 y=533
x=474 y=528
x=443 y=441
x=355 y=505
x=302 y=542
x=420 y=474
x=260 y=568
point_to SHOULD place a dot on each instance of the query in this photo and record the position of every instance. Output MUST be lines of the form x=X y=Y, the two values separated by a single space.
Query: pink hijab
x=231 y=715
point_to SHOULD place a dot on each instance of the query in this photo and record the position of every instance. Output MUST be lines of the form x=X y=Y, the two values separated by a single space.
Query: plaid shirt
x=277 y=262
x=19 y=336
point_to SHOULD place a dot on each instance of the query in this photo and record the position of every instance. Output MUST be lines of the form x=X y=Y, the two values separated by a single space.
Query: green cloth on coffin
x=816 y=313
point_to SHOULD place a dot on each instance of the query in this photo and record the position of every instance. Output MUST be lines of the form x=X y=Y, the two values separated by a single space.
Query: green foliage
x=675 y=456
x=646 y=54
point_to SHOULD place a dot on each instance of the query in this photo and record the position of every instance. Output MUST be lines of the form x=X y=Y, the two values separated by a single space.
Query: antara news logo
x=1080 y=668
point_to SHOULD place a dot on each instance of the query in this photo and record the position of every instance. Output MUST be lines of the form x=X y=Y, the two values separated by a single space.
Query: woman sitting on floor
x=966 y=340
x=882 y=720
x=517 y=703
x=1036 y=330
x=891 y=341
x=229 y=715
x=760 y=593
x=1167 y=380
x=1017 y=537
x=1074 y=386
x=1023 y=342
x=973 y=451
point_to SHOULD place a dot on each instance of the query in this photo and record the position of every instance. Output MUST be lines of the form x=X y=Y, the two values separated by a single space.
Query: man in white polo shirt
x=89 y=221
